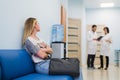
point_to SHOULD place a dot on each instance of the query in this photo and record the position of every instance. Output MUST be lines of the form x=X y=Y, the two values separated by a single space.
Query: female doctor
x=105 y=48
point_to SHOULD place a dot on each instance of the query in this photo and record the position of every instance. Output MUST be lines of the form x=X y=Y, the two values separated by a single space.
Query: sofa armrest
x=15 y=63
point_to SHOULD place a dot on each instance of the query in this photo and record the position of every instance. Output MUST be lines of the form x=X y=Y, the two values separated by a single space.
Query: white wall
x=76 y=9
x=13 y=14
x=111 y=18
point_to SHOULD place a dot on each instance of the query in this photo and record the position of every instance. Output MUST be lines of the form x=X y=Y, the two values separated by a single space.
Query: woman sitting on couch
x=39 y=52
x=37 y=48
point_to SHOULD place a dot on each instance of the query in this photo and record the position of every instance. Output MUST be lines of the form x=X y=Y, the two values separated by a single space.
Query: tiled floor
x=113 y=73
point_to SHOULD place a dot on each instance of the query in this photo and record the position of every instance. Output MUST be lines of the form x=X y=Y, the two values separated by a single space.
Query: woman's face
x=37 y=26
x=105 y=31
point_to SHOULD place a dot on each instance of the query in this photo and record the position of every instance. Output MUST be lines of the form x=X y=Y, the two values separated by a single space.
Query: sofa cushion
x=36 y=76
x=15 y=63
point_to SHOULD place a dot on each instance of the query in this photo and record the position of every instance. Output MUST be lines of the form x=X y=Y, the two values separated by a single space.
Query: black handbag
x=67 y=66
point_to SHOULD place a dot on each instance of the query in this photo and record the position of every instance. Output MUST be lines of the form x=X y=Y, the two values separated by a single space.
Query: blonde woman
x=35 y=46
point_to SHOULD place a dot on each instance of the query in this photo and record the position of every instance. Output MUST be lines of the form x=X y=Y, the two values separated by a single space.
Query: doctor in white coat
x=105 y=48
x=91 y=38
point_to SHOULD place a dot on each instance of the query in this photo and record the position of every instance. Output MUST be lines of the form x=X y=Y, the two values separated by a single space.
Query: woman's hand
x=109 y=41
x=45 y=48
x=42 y=45
x=42 y=54
x=49 y=50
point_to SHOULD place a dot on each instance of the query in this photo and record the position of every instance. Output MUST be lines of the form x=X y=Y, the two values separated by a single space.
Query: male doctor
x=92 y=43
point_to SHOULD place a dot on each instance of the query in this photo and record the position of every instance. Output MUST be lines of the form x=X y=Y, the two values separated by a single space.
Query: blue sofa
x=17 y=65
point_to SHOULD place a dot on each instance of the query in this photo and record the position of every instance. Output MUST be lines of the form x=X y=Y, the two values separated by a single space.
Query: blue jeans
x=43 y=67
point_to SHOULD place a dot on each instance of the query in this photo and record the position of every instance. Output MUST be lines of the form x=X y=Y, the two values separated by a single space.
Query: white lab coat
x=91 y=43
x=105 y=46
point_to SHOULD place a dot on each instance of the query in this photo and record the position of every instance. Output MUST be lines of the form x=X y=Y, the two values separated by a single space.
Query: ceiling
x=96 y=3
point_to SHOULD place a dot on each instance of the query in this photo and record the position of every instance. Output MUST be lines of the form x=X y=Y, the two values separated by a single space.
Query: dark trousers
x=101 y=61
x=107 y=61
x=90 y=60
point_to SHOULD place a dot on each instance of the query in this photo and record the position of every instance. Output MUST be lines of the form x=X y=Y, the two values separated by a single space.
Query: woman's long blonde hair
x=28 y=28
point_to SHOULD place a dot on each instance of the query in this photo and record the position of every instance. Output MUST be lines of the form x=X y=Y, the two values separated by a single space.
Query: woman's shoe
x=100 y=67
x=105 y=68
x=93 y=67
